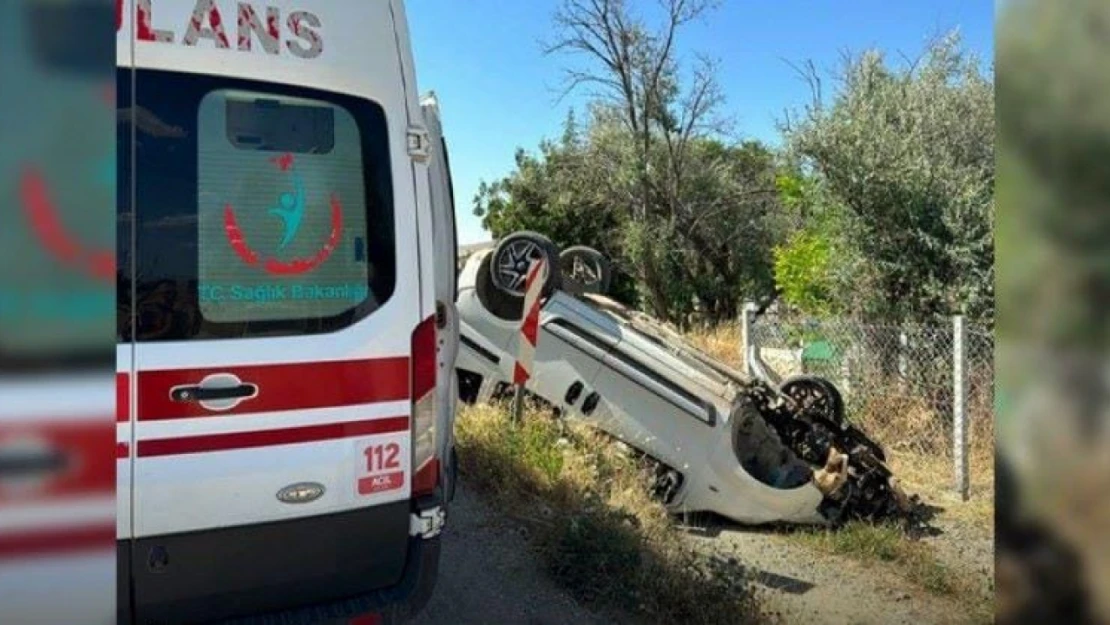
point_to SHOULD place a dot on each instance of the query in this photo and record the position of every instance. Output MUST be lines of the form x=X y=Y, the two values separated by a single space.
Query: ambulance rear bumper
x=241 y=575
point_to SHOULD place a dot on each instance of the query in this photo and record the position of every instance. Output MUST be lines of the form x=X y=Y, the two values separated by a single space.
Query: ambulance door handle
x=201 y=393
x=16 y=462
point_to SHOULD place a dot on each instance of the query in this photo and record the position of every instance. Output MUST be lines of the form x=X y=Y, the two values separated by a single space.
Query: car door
x=644 y=403
x=274 y=296
x=573 y=341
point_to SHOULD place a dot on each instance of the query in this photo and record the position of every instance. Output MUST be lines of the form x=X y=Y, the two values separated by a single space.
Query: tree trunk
x=656 y=296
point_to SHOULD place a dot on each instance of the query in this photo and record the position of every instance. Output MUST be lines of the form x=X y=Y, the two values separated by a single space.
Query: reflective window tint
x=279 y=232
x=277 y=224
x=257 y=122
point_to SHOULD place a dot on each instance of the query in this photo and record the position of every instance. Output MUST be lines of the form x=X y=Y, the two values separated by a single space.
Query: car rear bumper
x=353 y=565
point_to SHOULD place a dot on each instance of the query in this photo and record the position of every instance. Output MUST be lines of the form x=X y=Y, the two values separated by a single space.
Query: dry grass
x=721 y=342
x=885 y=543
x=919 y=451
x=598 y=532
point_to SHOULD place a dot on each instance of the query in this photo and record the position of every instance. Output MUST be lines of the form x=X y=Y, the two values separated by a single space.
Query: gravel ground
x=804 y=587
x=488 y=574
x=968 y=548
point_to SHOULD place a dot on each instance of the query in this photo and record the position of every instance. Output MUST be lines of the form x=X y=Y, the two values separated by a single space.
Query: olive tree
x=906 y=157
x=577 y=190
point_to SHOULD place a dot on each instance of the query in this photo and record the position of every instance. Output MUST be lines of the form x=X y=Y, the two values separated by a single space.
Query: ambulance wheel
x=585 y=270
x=512 y=258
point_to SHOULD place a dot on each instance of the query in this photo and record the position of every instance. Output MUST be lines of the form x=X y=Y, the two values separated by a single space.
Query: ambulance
x=57 y=314
x=285 y=282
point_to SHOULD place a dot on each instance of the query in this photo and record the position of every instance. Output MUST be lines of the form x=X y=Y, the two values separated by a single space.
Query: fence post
x=903 y=360
x=959 y=405
x=746 y=335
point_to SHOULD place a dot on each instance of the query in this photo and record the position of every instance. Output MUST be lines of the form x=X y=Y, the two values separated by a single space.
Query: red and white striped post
x=529 y=334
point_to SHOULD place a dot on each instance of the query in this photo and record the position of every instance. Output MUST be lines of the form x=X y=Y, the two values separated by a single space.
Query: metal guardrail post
x=959 y=406
x=518 y=404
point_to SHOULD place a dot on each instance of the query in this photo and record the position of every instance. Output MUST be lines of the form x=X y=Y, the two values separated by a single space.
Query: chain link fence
x=900 y=385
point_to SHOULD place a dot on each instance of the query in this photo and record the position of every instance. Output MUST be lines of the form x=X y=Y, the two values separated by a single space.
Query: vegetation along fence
x=921 y=390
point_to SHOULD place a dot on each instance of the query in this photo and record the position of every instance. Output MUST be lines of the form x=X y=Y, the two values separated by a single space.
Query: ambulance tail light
x=425 y=465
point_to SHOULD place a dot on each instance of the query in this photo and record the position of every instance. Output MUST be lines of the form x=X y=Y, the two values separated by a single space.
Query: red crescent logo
x=272 y=265
x=42 y=214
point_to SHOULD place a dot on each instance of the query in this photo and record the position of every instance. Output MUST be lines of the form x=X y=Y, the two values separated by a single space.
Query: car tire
x=508 y=263
x=802 y=386
x=585 y=270
x=505 y=305
x=498 y=303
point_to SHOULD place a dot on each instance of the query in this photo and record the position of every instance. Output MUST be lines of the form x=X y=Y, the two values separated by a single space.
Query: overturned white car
x=748 y=448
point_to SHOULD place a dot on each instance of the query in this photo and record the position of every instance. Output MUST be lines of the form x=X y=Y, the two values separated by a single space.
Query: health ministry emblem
x=291 y=208
x=45 y=217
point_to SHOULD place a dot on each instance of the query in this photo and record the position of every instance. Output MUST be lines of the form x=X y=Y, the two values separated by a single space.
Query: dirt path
x=806 y=586
x=966 y=545
x=488 y=575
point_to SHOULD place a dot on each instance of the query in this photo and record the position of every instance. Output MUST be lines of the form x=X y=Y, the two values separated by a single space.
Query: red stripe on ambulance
x=123 y=398
x=64 y=540
x=84 y=450
x=269 y=438
x=281 y=387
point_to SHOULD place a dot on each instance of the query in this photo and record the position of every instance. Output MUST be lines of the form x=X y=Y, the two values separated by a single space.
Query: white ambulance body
x=57 y=285
x=287 y=334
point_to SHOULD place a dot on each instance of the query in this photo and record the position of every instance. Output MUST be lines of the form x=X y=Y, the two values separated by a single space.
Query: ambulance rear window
x=281 y=221
x=263 y=210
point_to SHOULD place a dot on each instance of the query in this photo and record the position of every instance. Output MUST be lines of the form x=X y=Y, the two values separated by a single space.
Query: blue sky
x=498 y=91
